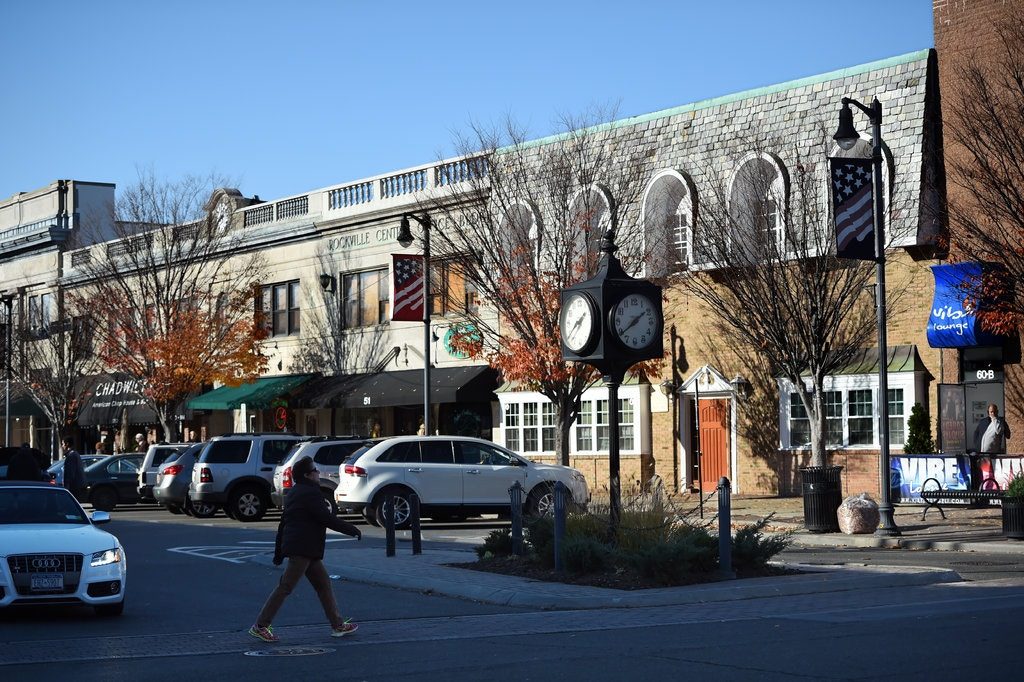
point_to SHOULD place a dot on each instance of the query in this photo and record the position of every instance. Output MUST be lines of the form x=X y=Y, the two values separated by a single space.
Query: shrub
x=671 y=562
x=497 y=543
x=584 y=554
x=752 y=550
x=919 y=433
x=540 y=534
x=1015 y=488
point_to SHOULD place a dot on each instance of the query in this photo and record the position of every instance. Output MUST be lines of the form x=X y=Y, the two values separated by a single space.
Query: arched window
x=589 y=218
x=668 y=212
x=520 y=236
x=757 y=204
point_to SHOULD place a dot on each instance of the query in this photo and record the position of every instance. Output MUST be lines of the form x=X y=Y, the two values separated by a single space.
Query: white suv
x=328 y=453
x=453 y=476
x=236 y=472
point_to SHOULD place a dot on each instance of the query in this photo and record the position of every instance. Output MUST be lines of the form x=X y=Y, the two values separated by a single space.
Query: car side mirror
x=100 y=517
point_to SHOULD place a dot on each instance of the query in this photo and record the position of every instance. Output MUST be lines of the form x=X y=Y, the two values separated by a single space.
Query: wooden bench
x=932 y=493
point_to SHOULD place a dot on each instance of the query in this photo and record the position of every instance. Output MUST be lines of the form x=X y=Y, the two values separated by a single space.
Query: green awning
x=257 y=395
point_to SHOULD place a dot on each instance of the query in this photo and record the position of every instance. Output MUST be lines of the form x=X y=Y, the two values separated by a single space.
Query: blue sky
x=285 y=97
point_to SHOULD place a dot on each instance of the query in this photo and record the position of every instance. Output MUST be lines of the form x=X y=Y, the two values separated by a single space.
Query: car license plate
x=46 y=582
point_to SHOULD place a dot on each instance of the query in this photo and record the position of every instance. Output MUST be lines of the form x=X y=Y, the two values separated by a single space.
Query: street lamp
x=8 y=351
x=846 y=137
x=405 y=239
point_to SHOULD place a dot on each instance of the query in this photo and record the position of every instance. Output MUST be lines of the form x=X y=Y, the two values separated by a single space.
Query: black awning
x=392 y=389
x=113 y=397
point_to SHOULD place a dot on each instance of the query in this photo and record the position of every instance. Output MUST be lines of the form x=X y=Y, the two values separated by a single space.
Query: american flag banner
x=409 y=291
x=853 y=208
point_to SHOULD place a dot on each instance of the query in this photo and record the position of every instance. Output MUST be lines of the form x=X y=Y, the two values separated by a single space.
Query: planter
x=823 y=493
x=1013 y=518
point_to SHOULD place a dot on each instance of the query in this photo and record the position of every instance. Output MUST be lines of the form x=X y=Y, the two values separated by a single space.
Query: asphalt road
x=192 y=593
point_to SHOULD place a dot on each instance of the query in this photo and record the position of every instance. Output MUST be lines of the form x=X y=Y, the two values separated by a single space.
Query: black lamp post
x=8 y=301
x=846 y=137
x=405 y=239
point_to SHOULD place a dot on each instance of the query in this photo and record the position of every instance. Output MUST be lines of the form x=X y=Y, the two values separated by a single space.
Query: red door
x=714 y=456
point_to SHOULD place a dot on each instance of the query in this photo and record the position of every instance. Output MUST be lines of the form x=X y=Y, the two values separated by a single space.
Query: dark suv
x=236 y=472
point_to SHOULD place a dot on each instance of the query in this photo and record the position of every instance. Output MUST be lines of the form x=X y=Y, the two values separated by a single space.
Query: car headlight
x=108 y=556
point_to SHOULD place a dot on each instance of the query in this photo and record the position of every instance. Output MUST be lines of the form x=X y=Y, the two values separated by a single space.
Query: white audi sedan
x=51 y=551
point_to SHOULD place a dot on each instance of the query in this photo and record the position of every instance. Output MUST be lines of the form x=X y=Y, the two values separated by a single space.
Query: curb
x=831 y=540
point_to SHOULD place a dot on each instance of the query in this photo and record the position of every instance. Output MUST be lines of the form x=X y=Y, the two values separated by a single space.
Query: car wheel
x=200 y=510
x=103 y=499
x=370 y=515
x=107 y=610
x=247 y=504
x=403 y=508
x=329 y=496
x=541 y=501
x=173 y=508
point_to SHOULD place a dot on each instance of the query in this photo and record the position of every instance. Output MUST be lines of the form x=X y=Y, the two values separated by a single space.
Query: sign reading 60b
x=986 y=374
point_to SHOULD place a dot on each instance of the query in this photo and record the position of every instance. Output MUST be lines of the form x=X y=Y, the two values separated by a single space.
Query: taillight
x=172 y=470
x=286 y=478
x=205 y=476
x=353 y=470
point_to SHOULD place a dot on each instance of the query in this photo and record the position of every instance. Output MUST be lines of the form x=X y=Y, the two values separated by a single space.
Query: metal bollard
x=515 y=494
x=560 y=493
x=414 y=523
x=389 y=524
x=725 y=528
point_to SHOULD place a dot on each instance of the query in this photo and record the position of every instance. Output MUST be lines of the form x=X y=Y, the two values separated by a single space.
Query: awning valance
x=390 y=389
x=258 y=394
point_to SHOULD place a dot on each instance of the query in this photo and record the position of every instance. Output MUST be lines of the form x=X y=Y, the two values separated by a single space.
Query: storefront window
x=897 y=432
x=584 y=427
x=549 y=432
x=530 y=431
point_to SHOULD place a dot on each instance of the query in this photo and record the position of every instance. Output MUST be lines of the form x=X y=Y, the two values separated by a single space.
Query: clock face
x=635 y=321
x=578 y=322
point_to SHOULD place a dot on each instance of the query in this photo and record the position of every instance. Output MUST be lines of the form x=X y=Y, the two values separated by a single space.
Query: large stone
x=858 y=514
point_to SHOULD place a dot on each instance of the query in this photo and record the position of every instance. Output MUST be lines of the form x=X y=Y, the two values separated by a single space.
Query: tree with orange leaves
x=172 y=299
x=523 y=221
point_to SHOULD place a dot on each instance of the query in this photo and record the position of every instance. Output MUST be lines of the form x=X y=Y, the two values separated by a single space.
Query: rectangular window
x=897 y=431
x=279 y=304
x=367 y=299
x=625 y=424
x=860 y=413
x=584 y=427
x=512 y=426
x=833 y=417
x=449 y=291
x=799 y=424
x=531 y=434
x=549 y=433
x=603 y=435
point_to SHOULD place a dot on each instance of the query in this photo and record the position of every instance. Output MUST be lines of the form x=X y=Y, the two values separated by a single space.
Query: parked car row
x=247 y=474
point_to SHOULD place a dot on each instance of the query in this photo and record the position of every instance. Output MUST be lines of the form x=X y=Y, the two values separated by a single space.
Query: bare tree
x=51 y=358
x=523 y=219
x=171 y=298
x=984 y=154
x=765 y=268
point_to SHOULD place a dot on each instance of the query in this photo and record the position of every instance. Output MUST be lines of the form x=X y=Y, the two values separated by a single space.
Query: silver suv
x=328 y=454
x=156 y=455
x=454 y=477
x=236 y=472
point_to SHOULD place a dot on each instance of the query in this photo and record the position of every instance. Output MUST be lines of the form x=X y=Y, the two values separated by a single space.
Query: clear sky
x=286 y=97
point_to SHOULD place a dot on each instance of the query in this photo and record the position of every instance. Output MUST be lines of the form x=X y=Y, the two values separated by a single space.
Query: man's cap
x=302 y=467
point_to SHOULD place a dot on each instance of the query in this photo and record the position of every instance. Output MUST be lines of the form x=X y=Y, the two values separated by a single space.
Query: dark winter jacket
x=74 y=472
x=23 y=466
x=304 y=523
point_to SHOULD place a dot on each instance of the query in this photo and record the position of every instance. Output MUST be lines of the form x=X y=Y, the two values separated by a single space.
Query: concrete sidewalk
x=431 y=572
x=963 y=529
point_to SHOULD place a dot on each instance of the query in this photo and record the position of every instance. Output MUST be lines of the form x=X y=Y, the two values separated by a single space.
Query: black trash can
x=823 y=493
